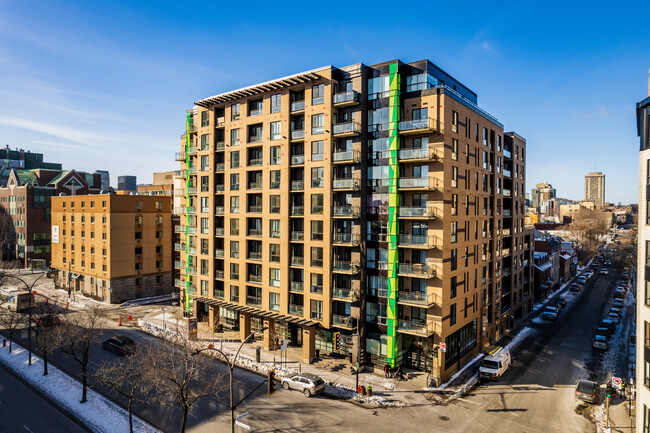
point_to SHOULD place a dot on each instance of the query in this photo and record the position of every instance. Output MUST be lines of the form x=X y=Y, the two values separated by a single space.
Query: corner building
x=376 y=201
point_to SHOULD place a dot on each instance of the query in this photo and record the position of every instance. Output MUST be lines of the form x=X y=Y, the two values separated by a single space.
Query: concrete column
x=244 y=325
x=308 y=344
x=213 y=317
x=269 y=334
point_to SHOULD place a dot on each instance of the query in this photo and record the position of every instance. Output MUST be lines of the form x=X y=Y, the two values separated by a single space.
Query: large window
x=460 y=343
x=316 y=309
x=234 y=111
x=317 y=123
x=378 y=87
x=234 y=137
x=317 y=150
x=276 y=131
x=274 y=277
x=276 y=103
x=275 y=155
x=318 y=94
x=274 y=301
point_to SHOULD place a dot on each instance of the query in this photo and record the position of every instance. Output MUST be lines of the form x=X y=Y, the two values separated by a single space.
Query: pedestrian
x=386 y=370
x=623 y=390
x=398 y=373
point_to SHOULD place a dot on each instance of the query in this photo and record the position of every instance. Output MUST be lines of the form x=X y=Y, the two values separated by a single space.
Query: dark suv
x=119 y=345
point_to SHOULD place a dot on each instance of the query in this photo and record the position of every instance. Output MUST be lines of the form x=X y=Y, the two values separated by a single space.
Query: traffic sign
x=241 y=416
x=616 y=381
x=242 y=425
x=443 y=347
x=130 y=318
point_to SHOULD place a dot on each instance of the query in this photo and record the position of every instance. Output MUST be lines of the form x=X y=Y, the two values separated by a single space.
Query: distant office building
x=21 y=160
x=111 y=247
x=106 y=179
x=163 y=184
x=595 y=188
x=127 y=183
x=544 y=197
x=643 y=278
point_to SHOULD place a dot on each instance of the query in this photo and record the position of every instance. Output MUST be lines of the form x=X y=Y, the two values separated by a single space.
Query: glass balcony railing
x=219 y=253
x=254 y=278
x=255 y=232
x=344 y=321
x=297 y=261
x=413 y=182
x=297 y=106
x=347 y=128
x=347 y=98
x=418 y=298
x=345 y=238
x=253 y=300
x=220 y=145
x=296 y=310
x=297 y=210
x=345 y=266
x=190 y=210
x=420 y=327
x=297 y=185
x=346 y=294
x=345 y=184
x=349 y=156
x=220 y=167
x=192 y=150
x=220 y=188
x=219 y=274
x=255 y=255
x=255 y=185
x=297 y=236
x=298 y=134
x=346 y=211
x=297 y=286
x=219 y=210
x=417 y=211
x=297 y=159
x=417 y=240
x=254 y=162
x=416 y=125
x=255 y=209
x=418 y=269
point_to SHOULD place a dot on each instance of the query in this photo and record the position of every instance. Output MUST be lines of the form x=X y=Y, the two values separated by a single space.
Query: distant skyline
x=104 y=85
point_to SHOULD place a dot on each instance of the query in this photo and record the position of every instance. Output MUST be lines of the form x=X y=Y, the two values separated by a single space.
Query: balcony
x=345 y=267
x=179 y=246
x=347 y=322
x=220 y=145
x=220 y=121
x=255 y=139
x=255 y=209
x=507 y=213
x=344 y=99
x=219 y=253
x=255 y=162
x=255 y=278
x=346 y=184
x=418 y=212
x=505 y=252
x=191 y=230
x=345 y=294
x=191 y=128
x=419 y=126
x=297 y=286
x=190 y=210
x=219 y=274
x=297 y=106
x=253 y=300
x=191 y=190
x=298 y=135
x=220 y=167
x=179 y=229
x=191 y=250
x=418 y=241
x=219 y=210
x=507 y=173
x=507 y=153
x=297 y=210
x=419 y=155
x=347 y=157
x=421 y=299
x=297 y=185
x=507 y=192
x=179 y=283
x=347 y=129
x=427 y=183
x=346 y=211
x=296 y=310
x=349 y=239
x=255 y=232
x=416 y=327
x=418 y=270
x=191 y=270
x=179 y=156
x=192 y=170
x=255 y=255
x=192 y=150
x=297 y=159
x=297 y=236
x=297 y=261
x=220 y=188
x=255 y=185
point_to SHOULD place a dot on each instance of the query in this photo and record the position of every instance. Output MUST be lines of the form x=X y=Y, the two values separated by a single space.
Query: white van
x=495 y=364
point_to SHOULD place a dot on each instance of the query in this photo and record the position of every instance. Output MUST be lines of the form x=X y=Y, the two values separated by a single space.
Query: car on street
x=604 y=331
x=587 y=390
x=608 y=323
x=495 y=364
x=614 y=317
x=608 y=262
x=619 y=294
x=119 y=345
x=624 y=274
x=604 y=271
x=618 y=304
x=550 y=313
x=575 y=287
x=561 y=301
x=600 y=342
x=581 y=279
x=307 y=383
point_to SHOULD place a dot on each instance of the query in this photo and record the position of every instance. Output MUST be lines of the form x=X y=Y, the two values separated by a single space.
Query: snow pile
x=341 y=391
x=98 y=413
x=455 y=375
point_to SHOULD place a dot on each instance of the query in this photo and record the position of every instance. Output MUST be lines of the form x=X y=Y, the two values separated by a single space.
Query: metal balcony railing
x=418 y=269
x=345 y=238
x=346 y=211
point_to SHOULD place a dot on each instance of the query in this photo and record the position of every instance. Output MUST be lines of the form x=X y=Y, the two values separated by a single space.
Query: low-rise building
x=113 y=248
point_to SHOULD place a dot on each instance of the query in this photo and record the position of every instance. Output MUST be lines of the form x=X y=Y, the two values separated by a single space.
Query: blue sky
x=104 y=85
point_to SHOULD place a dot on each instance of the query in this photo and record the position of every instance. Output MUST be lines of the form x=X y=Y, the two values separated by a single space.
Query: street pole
x=607 y=414
x=30 y=289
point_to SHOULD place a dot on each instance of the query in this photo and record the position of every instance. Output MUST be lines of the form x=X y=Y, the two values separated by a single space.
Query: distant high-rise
x=106 y=178
x=595 y=188
x=126 y=183
x=21 y=160
x=543 y=195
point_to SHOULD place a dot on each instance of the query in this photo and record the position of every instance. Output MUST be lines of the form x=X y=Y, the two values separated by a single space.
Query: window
x=317 y=177
x=276 y=132
x=234 y=182
x=485 y=136
x=274 y=277
x=454 y=259
x=275 y=155
x=318 y=94
x=234 y=137
x=317 y=230
x=316 y=310
x=274 y=228
x=234 y=271
x=452 y=314
x=454 y=150
x=378 y=87
x=255 y=108
x=205 y=287
x=317 y=123
x=205 y=201
x=453 y=286
x=274 y=301
x=255 y=133
x=204 y=267
x=317 y=256
x=454 y=231
x=205 y=225
x=234 y=249
x=276 y=103
x=274 y=251
x=205 y=141
x=234 y=204
x=316 y=283
x=234 y=111
x=454 y=177
x=205 y=118
x=317 y=204
x=205 y=162
x=234 y=226
x=234 y=159
x=275 y=179
x=317 y=150
x=454 y=121
x=454 y=204
x=274 y=201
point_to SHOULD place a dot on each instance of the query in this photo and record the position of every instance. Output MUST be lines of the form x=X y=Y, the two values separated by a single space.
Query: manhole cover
x=443 y=418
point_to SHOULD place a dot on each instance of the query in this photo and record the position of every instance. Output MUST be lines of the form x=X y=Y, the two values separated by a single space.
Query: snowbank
x=98 y=413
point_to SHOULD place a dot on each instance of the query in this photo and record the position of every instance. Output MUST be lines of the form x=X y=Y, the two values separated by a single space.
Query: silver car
x=307 y=383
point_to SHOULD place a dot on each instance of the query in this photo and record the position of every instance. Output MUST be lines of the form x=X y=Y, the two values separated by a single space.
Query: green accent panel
x=394 y=101
x=188 y=124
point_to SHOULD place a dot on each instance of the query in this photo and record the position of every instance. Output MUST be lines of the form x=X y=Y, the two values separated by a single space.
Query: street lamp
x=231 y=366
x=31 y=304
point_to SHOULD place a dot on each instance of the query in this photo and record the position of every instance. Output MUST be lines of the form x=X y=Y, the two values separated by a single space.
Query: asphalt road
x=19 y=404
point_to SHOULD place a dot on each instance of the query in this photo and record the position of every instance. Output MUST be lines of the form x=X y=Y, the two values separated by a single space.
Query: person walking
x=386 y=370
x=623 y=389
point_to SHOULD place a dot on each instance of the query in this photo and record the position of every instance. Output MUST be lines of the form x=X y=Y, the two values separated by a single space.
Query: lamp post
x=231 y=367
x=31 y=305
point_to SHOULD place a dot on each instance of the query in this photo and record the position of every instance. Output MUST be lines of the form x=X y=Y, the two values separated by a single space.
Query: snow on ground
x=98 y=413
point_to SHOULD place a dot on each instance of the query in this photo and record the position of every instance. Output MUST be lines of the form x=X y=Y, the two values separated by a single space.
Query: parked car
x=608 y=262
x=600 y=342
x=550 y=313
x=614 y=317
x=561 y=301
x=618 y=304
x=119 y=345
x=604 y=331
x=575 y=287
x=581 y=279
x=616 y=310
x=608 y=323
x=307 y=383
x=495 y=364
x=587 y=390
x=624 y=274
x=604 y=271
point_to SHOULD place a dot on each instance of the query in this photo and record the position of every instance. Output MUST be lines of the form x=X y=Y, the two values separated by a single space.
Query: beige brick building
x=112 y=247
x=379 y=202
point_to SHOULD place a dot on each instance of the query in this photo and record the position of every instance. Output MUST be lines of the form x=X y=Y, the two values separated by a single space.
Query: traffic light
x=610 y=391
x=271 y=378
x=337 y=341
x=435 y=352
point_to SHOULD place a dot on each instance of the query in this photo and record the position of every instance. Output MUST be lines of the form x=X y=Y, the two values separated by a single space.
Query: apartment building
x=643 y=277
x=595 y=188
x=113 y=248
x=26 y=201
x=379 y=202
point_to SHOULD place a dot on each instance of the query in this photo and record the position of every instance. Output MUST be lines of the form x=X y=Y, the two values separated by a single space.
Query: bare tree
x=128 y=378
x=7 y=236
x=78 y=332
x=585 y=231
x=181 y=376
x=46 y=321
x=11 y=320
